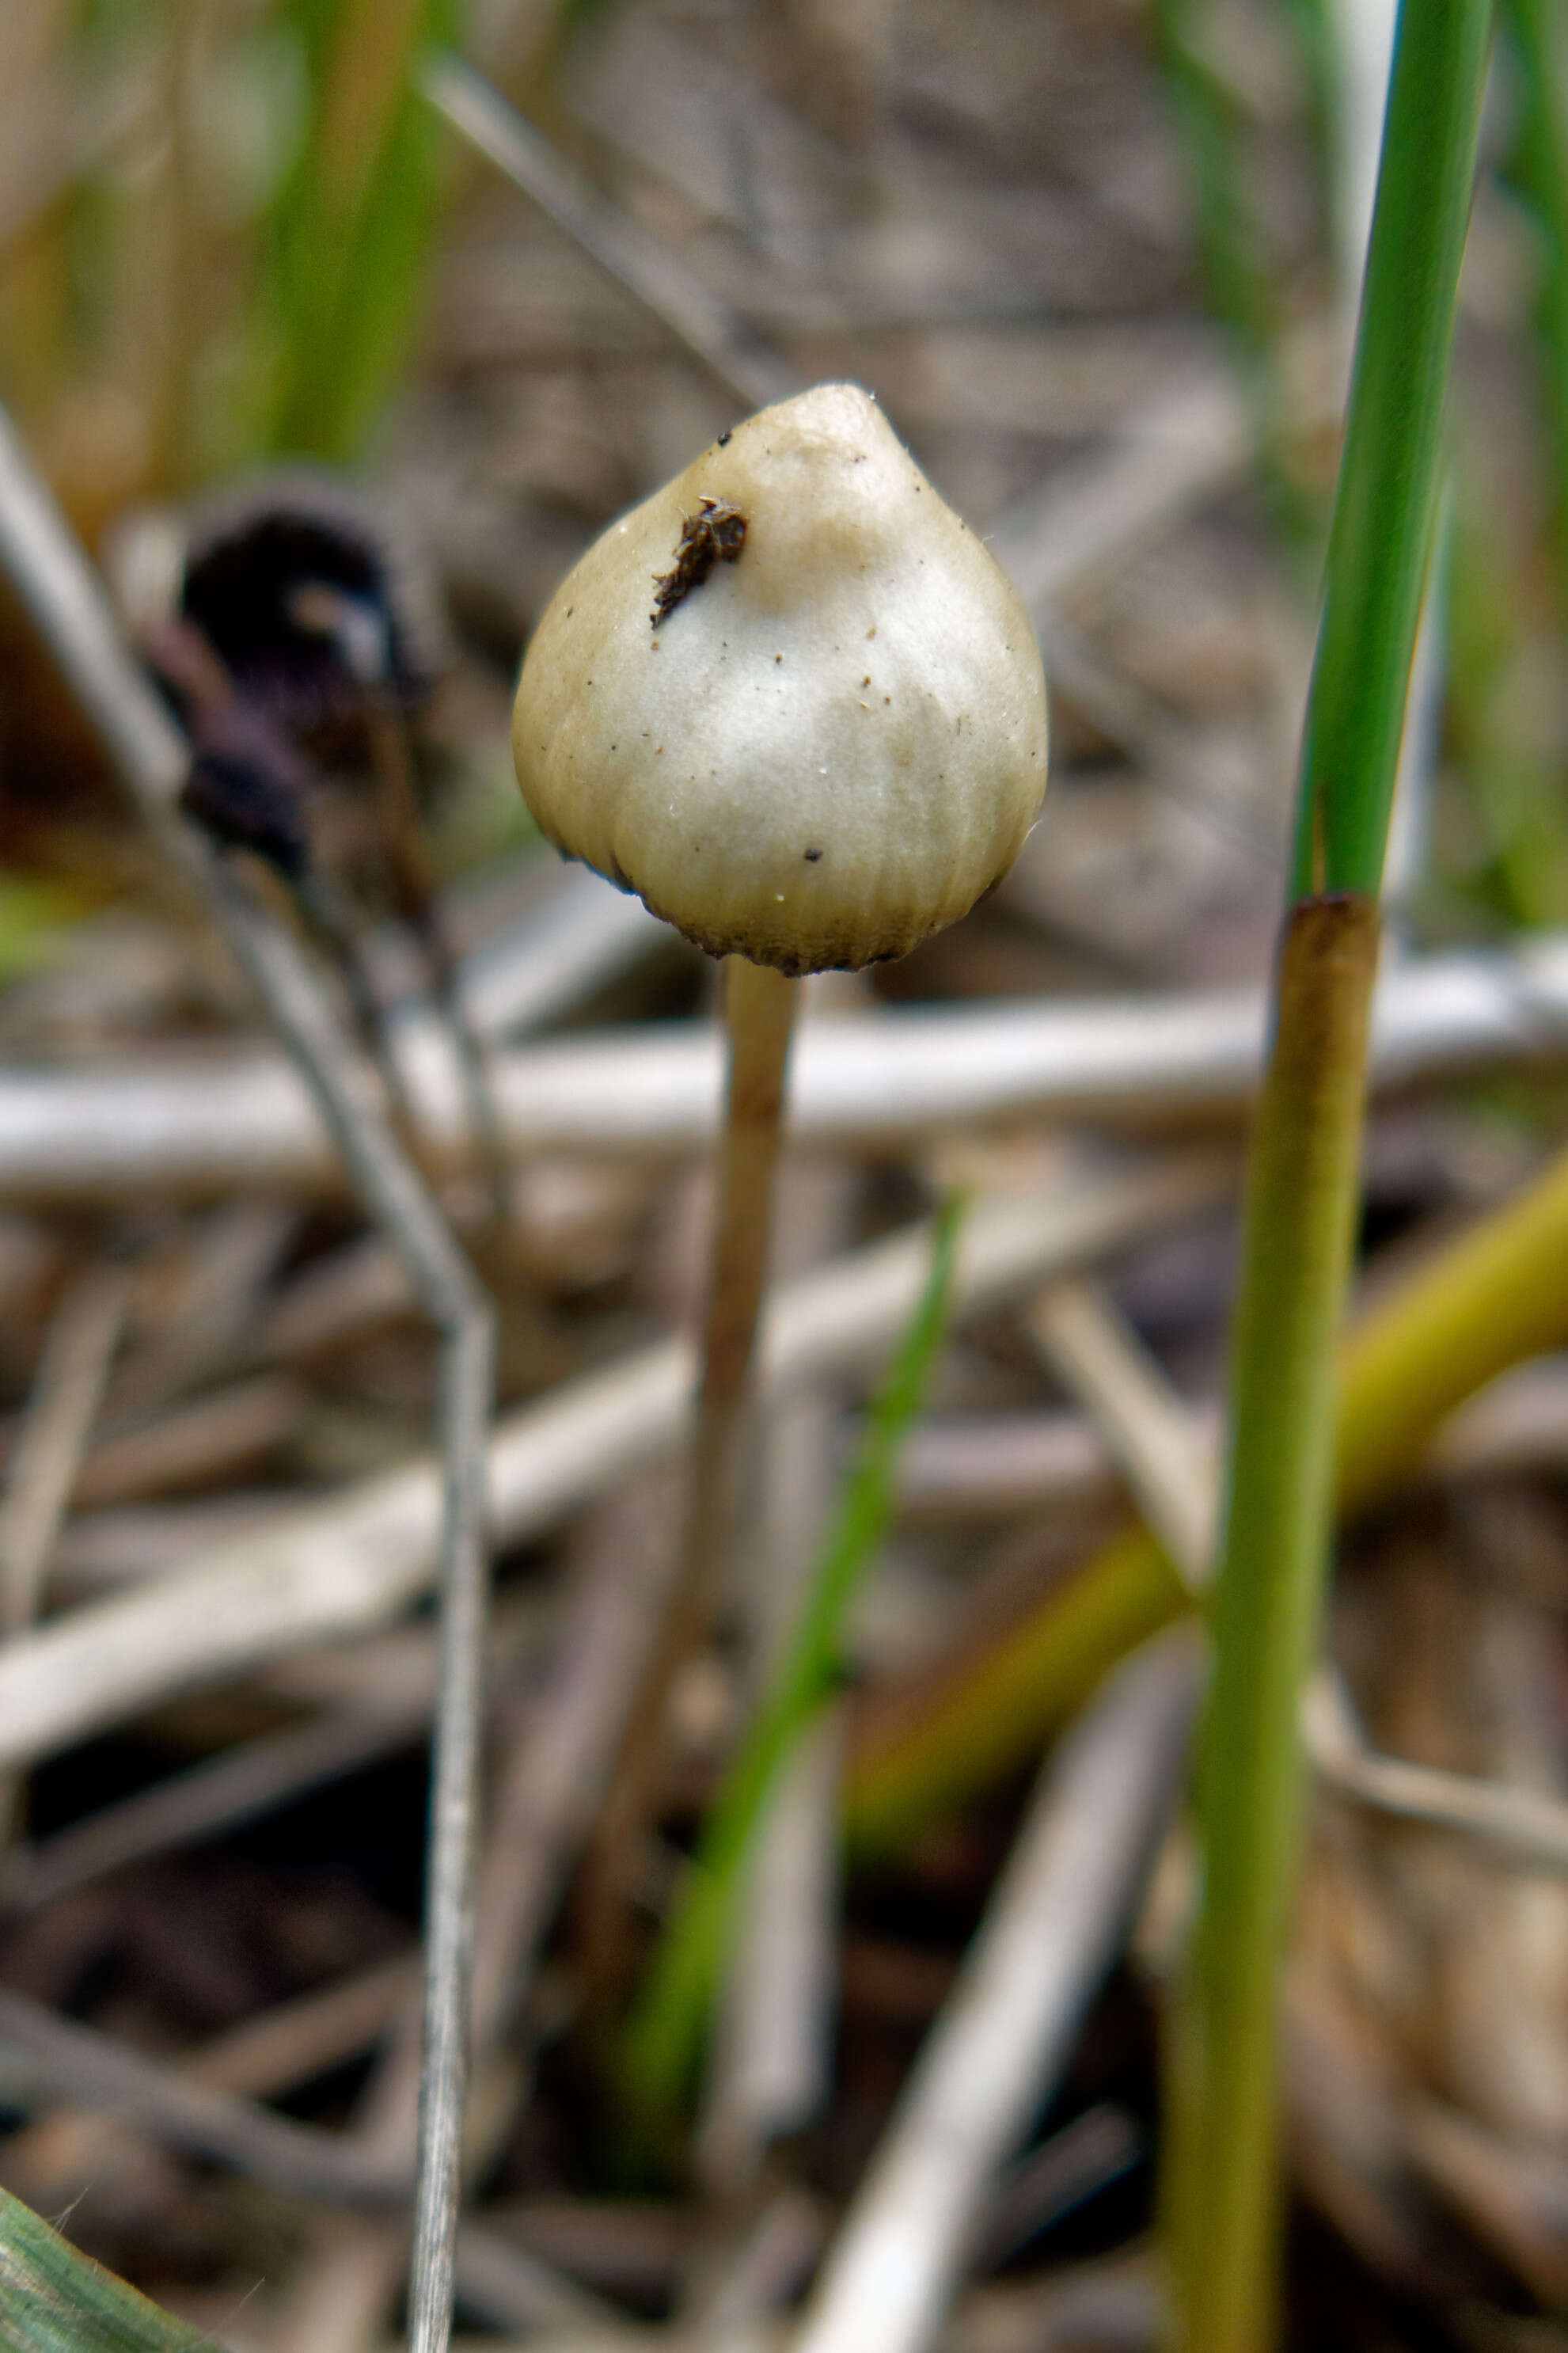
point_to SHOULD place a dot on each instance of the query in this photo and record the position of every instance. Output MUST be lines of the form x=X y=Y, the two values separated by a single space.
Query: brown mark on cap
x=715 y=535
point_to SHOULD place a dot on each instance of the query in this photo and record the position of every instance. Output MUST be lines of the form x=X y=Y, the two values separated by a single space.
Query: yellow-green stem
x=1222 y=2205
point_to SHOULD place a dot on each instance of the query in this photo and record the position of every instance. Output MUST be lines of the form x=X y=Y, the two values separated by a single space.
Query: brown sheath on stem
x=1298 y=1229
x=759 y=1007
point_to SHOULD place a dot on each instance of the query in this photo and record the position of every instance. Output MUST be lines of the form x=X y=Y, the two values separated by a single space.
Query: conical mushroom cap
x=827 y=738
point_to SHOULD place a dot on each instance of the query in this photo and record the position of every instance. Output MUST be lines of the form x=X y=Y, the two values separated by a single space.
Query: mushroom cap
x=832 y=741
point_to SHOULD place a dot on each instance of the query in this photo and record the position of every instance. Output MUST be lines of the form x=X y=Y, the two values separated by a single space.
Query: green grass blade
x=54 y=2300
x=1503 y=744
x=1537 y=36
x=665 y=2033
x=1232 y=250
x=35 y=916
x=1231 y=247
x=1386 y=503
x=352 y=221
x=1312 y=27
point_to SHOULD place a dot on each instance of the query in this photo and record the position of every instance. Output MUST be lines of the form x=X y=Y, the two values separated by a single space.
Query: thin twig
x=338 y=2300
x=220 y=1794
x=285 y=2045
x=45 y=2058
x=45 y=1463
x=559 y=952
x=193 y=1442
x=1079 y=2159
x=757 y=2272
x=252 y=1778
x=1173 y=752
x=67 y=605
x=773 y=2059
x=1167 y=1455
x=728 y=349
x=1005 y=1467
x=1084 y=521
x=1009 y=1466
x=331 y=922
x=225 y=1272
x=1509 y=2190
x=1111 y=2303
x=344 y=2294
x=511 y=2289
x=44 y=1460
x=548 y=1784
x=1519 y=1422
x=269 y=2055
x=1051 y=1930
x=1522 y=1824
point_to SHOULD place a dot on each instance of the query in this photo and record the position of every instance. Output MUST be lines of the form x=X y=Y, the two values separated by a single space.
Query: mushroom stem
x=759 y=1010
x=759 y=1013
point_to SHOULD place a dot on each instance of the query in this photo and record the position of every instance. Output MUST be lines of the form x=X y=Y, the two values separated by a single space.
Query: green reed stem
x=1537 y=35
x=1389 y=474
x=1220 y=2187
x=1297 y=1229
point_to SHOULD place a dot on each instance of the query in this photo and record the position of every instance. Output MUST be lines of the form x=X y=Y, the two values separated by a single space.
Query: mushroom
x=827 y=738
x=793 y=705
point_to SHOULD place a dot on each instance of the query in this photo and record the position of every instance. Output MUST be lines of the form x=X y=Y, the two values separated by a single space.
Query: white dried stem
x=1520 y=1823
x=45 y=2058
x=1085 y=520
x=876 y=1083
x=56 y=1425
x=1167 y=1455
x=253 y=1778
x=292 y=2041
x=1009 y=1466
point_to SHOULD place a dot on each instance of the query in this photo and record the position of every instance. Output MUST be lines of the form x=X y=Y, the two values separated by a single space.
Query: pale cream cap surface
x=832 y=746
